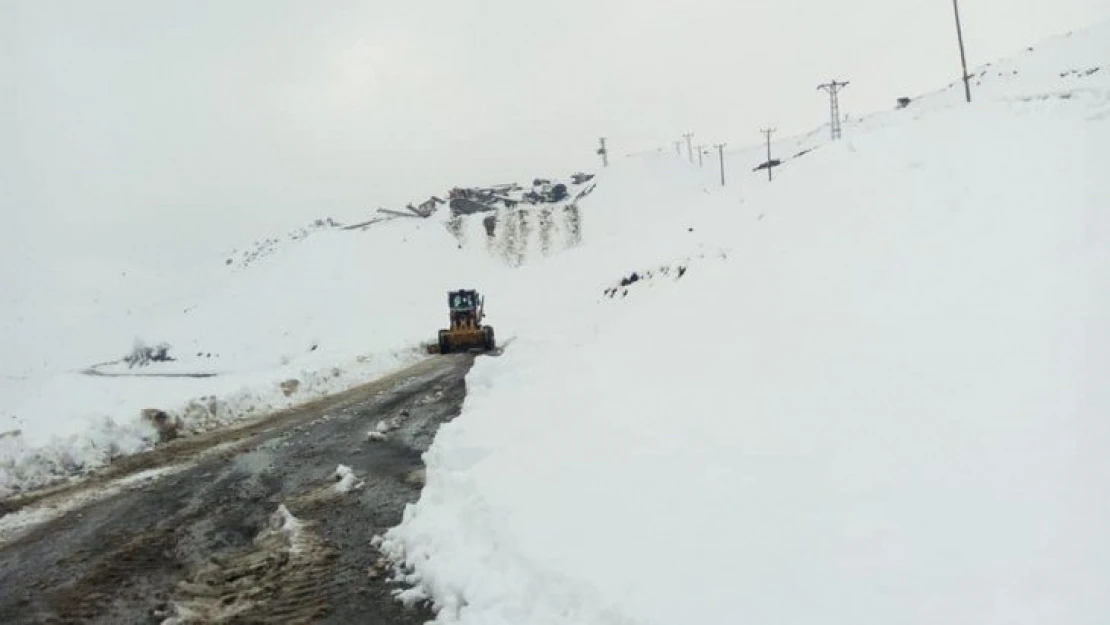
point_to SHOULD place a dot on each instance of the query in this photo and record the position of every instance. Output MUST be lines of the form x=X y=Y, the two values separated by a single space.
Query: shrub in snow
x=142 y=354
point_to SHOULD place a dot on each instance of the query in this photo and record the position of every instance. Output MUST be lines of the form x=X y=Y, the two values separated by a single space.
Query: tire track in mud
x=260 y=534
x=285 y=578
x=113 y=577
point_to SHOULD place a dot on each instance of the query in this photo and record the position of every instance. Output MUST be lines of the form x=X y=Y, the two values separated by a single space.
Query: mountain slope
x=873 y=392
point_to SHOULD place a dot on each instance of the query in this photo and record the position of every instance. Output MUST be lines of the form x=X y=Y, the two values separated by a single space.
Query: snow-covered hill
x=872 y=392
x=1068 y=66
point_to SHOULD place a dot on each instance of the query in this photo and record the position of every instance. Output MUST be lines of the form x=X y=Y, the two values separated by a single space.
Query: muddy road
x=247 y=526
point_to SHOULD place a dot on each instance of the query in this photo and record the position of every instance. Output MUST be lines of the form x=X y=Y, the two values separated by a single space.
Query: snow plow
x=466 y=332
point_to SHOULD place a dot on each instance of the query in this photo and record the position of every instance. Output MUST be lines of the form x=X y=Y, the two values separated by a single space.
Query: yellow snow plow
x=467 y=309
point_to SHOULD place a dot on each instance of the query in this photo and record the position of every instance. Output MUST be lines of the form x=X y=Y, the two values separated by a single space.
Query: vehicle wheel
x=444 y=342
x=487 y=333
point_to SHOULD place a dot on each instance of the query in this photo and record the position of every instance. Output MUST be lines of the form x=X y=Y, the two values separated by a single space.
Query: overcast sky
x=155 y=114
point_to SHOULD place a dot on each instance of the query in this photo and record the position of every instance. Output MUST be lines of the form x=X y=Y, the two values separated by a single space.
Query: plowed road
x=194 y=532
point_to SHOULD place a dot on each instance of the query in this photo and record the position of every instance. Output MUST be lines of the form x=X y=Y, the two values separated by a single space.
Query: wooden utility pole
x=767 y=132
x=701 y=152
x=604 y=152
x=689 y=147
x=721 y=157
x=678 y=148
x=963 y=57
x=834 y=87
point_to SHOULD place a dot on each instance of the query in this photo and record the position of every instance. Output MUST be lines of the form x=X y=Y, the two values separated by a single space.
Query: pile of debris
x=425 y=209
x=469 y=200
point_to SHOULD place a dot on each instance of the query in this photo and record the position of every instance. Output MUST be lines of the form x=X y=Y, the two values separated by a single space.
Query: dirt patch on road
x=282 y=579
x=133 y=569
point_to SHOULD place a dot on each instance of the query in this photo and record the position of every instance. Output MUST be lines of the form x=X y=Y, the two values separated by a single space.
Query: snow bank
x=200 y=404
x=875 y=395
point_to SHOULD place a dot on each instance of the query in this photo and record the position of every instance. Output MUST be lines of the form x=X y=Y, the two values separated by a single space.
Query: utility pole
x=603 y=152
x=701 y=152
x=721 y=157
x=689 y=148
x=963 y=57
x=834 y=87
x=767 y=132
x=678 y=148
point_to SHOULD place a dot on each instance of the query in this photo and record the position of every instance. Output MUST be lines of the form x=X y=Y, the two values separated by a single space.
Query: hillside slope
x=870 y=393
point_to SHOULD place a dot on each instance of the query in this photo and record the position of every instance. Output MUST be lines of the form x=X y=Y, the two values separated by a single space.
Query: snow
x=868 y=392
x=874 y=395
x=287 y=528
x=346 y=480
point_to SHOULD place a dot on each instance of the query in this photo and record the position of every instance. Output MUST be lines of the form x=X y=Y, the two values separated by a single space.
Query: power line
x=834 y=87
x=767 y=132
x=721 y=157
x=963 y=57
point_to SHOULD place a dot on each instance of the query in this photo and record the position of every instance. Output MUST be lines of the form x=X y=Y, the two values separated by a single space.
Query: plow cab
x=466 y=309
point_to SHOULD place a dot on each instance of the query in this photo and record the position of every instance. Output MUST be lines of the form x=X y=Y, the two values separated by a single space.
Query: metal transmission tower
x=689 y=147
x=963 y=57
x=721 y=157
x=834 y=87
x=604 y=152
x=767 y=132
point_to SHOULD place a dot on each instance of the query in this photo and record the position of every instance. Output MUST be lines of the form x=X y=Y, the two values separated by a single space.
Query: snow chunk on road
x=346 y=480
x=283 y=523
